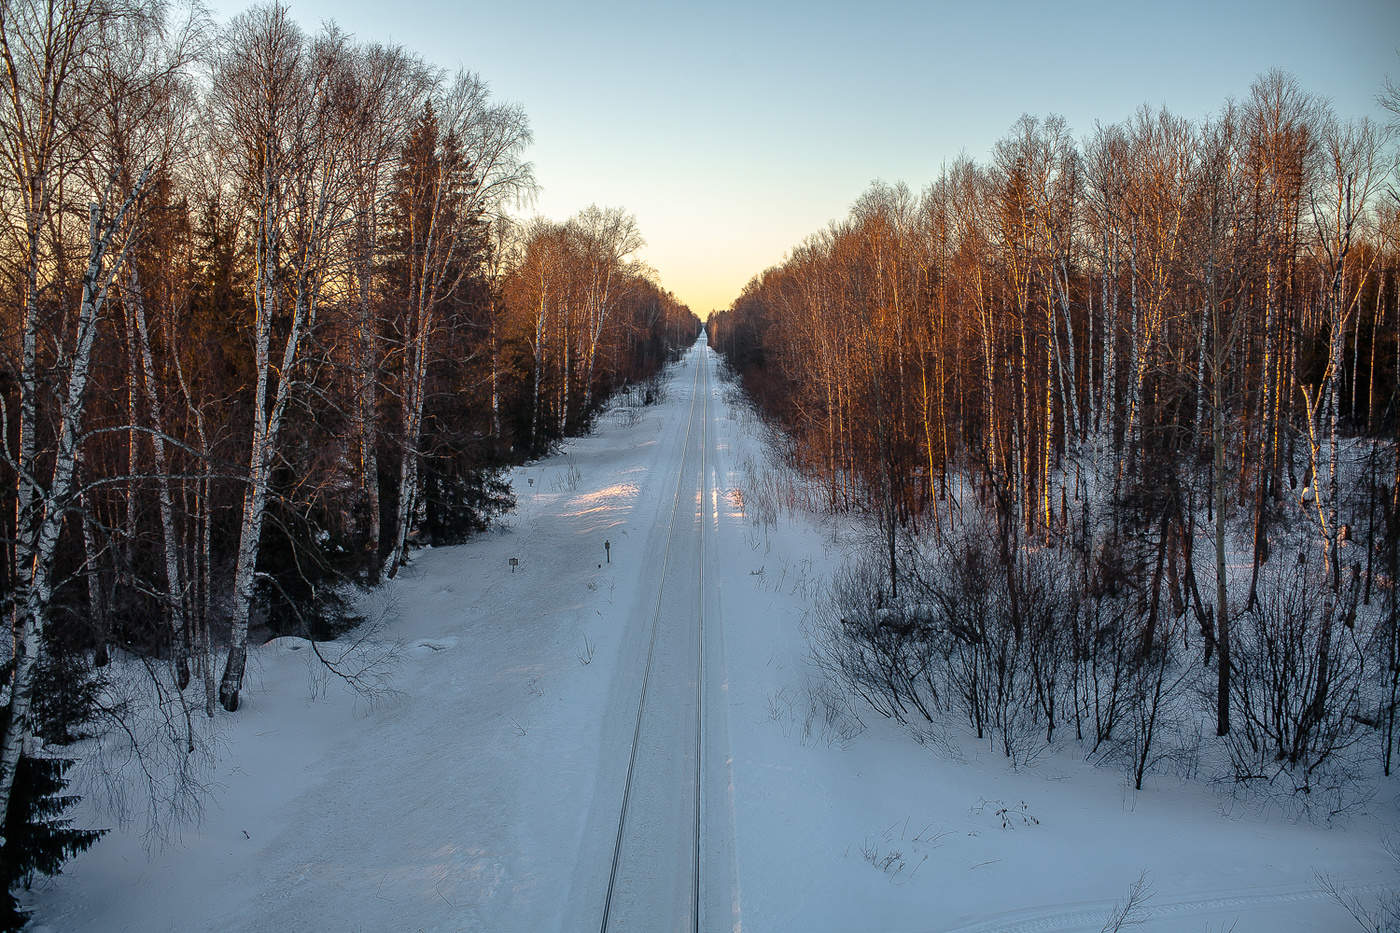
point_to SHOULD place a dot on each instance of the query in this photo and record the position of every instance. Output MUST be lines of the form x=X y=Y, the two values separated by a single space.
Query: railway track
x=620 y=897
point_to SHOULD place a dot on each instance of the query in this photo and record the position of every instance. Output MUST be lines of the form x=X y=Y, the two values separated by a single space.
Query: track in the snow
x=1068 y=919
x=622 y=825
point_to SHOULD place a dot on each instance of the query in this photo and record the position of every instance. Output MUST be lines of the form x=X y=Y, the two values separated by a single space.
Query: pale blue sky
x=734 y=129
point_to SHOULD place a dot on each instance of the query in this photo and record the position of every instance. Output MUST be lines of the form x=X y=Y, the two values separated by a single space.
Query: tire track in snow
x=1091 y=916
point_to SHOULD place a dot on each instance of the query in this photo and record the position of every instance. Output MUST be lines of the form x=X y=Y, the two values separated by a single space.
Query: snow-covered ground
x=484 y=793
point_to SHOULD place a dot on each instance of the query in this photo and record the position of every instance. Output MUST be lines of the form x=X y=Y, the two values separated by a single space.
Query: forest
x=271 y=323
x=1115 y=409
x=1122 y=412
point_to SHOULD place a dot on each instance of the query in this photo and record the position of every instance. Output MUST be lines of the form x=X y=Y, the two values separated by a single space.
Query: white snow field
x=487 y=793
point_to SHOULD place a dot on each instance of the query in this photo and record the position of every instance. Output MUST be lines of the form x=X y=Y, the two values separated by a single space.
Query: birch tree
x=273 y=112
x=609 y=236
x=1339 y=214
x=48 y=478
x=389 y=88
x=1220 y=257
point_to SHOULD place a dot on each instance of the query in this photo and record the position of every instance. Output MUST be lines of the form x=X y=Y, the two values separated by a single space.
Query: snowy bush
x=1026 y=641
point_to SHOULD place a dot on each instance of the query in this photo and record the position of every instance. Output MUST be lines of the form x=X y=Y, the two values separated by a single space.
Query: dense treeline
x=1168 y=334
x=268 y=324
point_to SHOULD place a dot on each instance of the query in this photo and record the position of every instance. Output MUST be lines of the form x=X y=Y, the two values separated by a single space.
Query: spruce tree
x=37 y=836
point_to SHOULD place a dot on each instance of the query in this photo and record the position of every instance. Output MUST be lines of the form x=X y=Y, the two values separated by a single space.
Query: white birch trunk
x=34 y=591
x=366 y=401
x=174 y=578
x=564 y=388
x=540 y=335
x=495 y=374
x=267 y=420
x=595 y=334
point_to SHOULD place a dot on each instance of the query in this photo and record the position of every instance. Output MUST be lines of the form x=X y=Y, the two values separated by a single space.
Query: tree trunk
x=267 y=425
x=174 y=578
x=1222 y=604
x=366 y=409
x=35 y=589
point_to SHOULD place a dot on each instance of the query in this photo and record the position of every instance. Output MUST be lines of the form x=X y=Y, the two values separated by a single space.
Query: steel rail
x=646 y=674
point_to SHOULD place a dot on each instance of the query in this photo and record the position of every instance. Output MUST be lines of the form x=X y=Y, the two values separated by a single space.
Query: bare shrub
x=1011 y=816
x=759 y=494
x=569 y=478
x=993 y=622
x=1297 y=697
x=892 y=853
x=871 y=645
x=1156 y=682
x=830 y=718
x=1128 y=912
x=964 y=634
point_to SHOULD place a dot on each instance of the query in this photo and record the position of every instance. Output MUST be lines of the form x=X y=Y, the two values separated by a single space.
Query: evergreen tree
x=37 y=836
